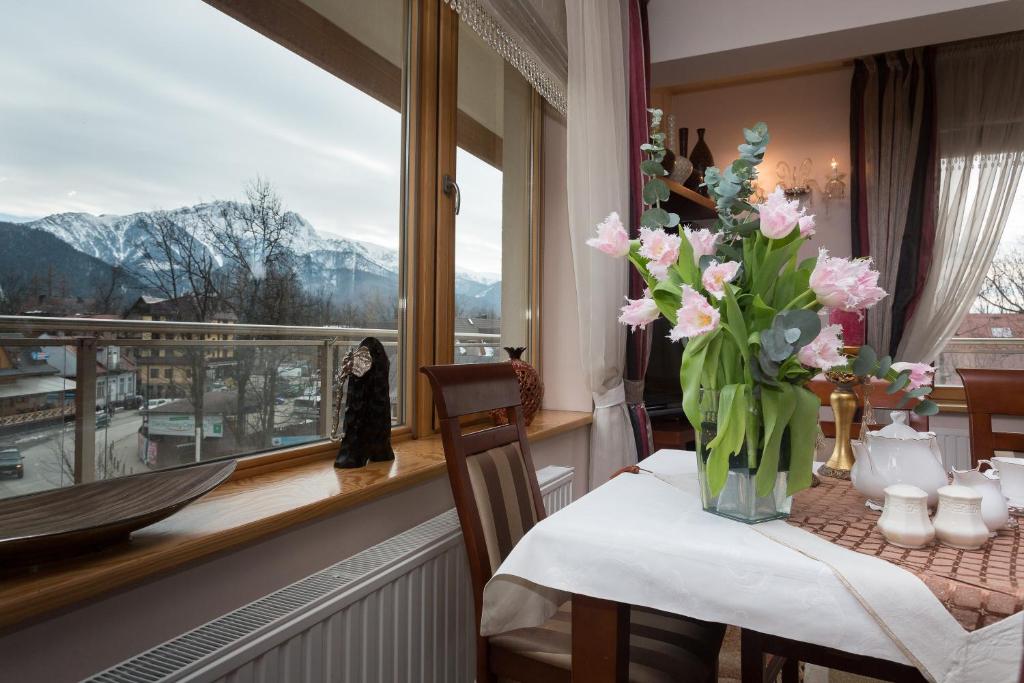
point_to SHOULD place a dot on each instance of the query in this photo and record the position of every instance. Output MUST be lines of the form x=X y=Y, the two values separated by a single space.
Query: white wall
x=808 y=117
x=684 y=29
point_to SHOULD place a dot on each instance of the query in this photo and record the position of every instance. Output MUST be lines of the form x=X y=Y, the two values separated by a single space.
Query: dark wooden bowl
x=55 y=524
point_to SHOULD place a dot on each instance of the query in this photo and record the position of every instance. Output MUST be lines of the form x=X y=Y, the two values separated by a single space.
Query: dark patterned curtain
x=894 y=155
x=639 y=342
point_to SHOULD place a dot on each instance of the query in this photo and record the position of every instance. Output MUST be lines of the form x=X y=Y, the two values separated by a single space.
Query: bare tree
x=15 y=292
x=1003 y=288
x=109 y=290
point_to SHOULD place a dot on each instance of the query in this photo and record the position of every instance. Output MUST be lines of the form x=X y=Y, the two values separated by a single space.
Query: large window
x=221 y=199
x=493 y=236
x=991 y=335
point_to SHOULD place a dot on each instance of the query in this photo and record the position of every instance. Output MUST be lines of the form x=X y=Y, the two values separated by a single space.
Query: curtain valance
x=529 y=35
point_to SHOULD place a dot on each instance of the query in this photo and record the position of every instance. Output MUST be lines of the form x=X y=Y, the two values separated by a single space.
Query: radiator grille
x=400 y=610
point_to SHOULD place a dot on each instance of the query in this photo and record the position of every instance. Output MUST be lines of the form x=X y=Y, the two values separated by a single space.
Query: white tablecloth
x=641 y=540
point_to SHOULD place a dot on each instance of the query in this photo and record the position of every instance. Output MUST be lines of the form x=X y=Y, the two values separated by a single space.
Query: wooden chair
x=989 y=393
x=498 y=500
x=879 y=399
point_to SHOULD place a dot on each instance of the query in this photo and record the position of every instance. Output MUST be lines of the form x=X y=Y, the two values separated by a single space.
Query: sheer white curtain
x=980 y=115
x=598 y=183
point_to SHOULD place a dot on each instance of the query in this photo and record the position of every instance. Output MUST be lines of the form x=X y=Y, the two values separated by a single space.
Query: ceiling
x=695 y=42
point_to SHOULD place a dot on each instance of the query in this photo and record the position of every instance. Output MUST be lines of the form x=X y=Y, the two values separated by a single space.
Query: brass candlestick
x=844 y=405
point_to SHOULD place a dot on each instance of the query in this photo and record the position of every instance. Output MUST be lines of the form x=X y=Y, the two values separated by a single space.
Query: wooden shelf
x=687 y=193
x=239 y=511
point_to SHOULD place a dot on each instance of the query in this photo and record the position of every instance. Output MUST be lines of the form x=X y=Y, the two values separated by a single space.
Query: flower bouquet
x=746 y=307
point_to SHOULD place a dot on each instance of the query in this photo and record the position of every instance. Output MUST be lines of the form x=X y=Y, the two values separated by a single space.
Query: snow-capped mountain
x=347 y=270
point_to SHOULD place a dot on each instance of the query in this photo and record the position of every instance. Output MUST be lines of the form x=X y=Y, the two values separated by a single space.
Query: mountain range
x=87 y=247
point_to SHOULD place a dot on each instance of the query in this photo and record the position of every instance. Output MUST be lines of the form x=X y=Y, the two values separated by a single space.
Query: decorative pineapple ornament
x=531 y=389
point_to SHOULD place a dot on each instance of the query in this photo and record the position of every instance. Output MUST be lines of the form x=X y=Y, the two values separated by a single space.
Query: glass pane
x=991 y=335
x=232 y=182
x=492 y=230
x=37 y=432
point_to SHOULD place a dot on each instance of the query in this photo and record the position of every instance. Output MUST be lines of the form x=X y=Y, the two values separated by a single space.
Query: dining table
x=821 y=587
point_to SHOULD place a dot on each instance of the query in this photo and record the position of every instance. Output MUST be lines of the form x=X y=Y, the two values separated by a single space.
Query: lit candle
x=834 y=164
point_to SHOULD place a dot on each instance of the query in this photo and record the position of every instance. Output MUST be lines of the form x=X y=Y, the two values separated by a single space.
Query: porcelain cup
x=1011 y=476
x=904 y=521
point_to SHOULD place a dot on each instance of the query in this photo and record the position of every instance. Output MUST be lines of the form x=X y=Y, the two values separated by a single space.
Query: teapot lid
x=899 y=429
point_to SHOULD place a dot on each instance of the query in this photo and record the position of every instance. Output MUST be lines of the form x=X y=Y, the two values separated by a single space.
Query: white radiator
x=955 y=445
x=401 y=610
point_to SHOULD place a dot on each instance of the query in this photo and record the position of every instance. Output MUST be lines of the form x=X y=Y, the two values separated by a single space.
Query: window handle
x=449 y=186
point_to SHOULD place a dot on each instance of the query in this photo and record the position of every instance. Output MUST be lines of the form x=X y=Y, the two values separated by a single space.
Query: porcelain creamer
x=994 y=509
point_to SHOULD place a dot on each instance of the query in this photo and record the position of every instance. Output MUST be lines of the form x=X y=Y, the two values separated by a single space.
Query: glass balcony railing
x=82 y=399
x=988 y=352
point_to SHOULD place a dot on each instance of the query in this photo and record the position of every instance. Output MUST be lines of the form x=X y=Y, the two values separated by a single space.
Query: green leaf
x=775 y=346
x=654 y=218
x=926 y=408
x=652 y=168
x=655 y=191
x=689 y=377
x=673 y=220
x=732 y=426
x=737 y=325
x=667 y=296
x=807 y=324
x=803 y=429
x=884 y=363
x=763 y=314
x=685 y=266
x=865 y=361
x=768 y=270
x=897 y=384
x=777 y=406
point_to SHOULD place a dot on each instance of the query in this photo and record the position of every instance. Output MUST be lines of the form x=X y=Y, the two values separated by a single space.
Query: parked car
x=11 y=462
x=157 y=402
x=102 y=419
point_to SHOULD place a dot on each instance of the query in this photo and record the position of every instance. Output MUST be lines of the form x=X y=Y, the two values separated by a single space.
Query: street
x=49 y=453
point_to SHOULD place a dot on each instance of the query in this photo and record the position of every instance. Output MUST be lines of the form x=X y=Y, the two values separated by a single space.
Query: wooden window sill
x=241 y=510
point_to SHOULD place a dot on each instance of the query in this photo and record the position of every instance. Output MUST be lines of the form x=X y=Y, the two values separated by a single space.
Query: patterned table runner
x=978 y=587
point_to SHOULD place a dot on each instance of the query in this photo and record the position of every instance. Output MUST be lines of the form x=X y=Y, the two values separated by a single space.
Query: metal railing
x=89 y=336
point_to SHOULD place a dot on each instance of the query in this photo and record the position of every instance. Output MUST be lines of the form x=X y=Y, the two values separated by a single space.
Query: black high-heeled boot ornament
x=363 y=406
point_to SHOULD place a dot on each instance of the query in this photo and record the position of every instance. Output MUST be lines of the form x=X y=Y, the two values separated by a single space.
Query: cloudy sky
x=117 y=106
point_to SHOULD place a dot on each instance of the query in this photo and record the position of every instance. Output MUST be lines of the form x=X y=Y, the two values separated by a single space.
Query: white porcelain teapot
x=898 y=454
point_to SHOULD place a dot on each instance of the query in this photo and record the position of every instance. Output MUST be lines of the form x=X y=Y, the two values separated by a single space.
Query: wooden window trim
x=432 y=119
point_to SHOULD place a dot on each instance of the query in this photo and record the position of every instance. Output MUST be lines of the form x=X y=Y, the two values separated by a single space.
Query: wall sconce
x=796 y=181
x=835 y=188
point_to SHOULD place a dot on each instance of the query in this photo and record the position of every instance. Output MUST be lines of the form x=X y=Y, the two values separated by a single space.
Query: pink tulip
x=824 y=350
x=639 y=313
x=695 y=316
x=806 y=224
x=703 y=241
x=779 y=216
x=612 y=237
x=716 y=275
x=662 y=250
x=920 y=374
x=846 y=284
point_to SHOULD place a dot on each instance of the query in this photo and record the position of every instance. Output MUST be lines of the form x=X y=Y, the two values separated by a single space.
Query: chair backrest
x=880 y=400
x=491 y=472
x=989 y=393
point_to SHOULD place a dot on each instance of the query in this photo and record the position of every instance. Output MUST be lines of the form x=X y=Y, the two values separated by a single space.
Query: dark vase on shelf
x=701 y=158
x=682 y=169
x=531 y=388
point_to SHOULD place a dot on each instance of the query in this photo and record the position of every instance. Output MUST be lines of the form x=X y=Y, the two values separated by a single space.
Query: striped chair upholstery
x=503 y=497
x=663 y=648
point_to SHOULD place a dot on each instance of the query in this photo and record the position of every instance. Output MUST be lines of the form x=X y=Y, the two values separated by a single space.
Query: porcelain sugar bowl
x=904 y=521
x=958 y=522
x=898 y=454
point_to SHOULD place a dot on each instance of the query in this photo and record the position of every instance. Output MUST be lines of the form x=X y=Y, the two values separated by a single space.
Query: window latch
x=450 y=186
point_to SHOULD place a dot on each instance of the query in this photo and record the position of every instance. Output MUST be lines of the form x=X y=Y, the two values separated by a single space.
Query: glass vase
x=739 y=499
